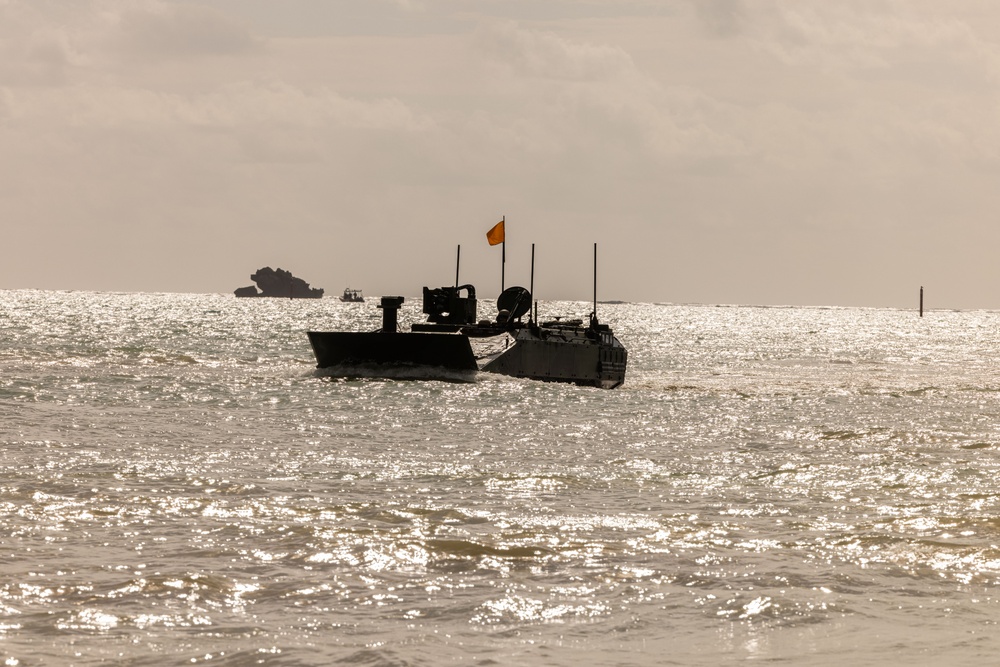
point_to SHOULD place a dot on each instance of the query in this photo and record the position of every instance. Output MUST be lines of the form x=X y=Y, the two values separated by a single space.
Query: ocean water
x=808 y=486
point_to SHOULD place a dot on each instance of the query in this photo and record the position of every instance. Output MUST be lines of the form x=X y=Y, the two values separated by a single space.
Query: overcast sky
x=718 y=151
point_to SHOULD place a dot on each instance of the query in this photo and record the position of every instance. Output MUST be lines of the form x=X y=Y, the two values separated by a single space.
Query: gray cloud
x=722 y=18
x=183 y=30
x=547 y=55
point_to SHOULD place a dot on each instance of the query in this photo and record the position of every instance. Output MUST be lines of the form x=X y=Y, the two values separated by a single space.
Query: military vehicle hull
x=388 y=352
x=345 y=349
x=586 y=357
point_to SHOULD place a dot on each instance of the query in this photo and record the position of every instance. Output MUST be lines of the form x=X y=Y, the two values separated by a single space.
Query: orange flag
x=495 y=235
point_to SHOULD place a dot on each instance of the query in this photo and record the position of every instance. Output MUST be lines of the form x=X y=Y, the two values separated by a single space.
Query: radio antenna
x=595 y=281
x=531 y=286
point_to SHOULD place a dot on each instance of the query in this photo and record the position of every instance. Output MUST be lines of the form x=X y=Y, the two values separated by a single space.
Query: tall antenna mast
x=595 y=281
x=458 y=262
x=531 y=285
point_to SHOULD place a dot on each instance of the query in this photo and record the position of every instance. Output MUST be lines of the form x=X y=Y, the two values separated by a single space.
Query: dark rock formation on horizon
x=279 y=283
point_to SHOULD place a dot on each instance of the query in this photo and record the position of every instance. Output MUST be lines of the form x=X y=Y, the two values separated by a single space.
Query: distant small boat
x=352 y=296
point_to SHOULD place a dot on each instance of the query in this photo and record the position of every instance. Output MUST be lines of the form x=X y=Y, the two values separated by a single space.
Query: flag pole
x=503 y=252
x=498 y=234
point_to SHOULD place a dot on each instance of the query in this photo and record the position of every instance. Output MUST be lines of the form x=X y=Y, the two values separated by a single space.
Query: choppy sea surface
x=807 y=486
